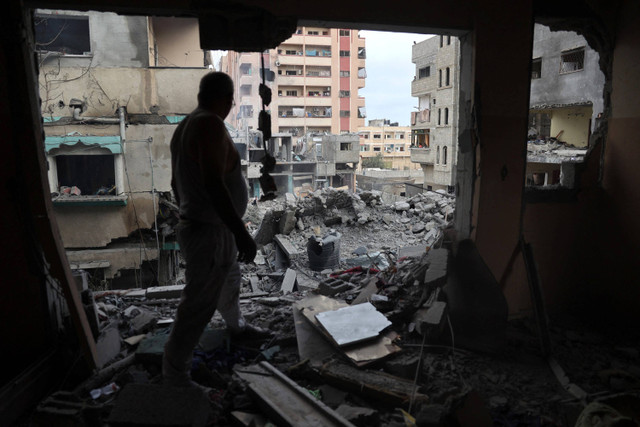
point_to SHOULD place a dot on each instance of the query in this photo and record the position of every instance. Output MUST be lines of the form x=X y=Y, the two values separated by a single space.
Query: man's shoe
x=252 y=331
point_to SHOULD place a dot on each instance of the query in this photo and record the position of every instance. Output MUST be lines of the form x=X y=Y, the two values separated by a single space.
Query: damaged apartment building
x=434 y=127
x=110 y=103
x=566 y=105
x=526 y=257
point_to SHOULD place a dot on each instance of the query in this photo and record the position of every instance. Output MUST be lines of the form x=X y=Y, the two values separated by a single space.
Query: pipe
x=77 y=111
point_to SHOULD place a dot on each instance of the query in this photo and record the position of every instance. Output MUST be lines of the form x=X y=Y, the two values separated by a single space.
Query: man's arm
x=214 y=160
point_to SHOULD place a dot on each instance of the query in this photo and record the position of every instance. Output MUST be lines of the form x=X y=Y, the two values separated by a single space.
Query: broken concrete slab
x=436 y=274
x=403 y=365
x=285 y=244
x=353 y=324
x=144 y=321
x=289 y=281
x=430 y=320
x=165 y=292
x=286 y=403
x=287 y=222
x=108 y=345
x=367 y=292
x=248 y=419
x=158 y=405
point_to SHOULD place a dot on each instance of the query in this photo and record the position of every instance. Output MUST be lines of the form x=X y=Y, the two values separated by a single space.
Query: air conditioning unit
x=277 y=63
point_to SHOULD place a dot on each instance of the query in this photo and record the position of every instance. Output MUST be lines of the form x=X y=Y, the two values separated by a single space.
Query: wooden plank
x=286 y=402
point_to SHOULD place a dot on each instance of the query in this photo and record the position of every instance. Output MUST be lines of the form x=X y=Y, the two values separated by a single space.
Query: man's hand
x=246 y=246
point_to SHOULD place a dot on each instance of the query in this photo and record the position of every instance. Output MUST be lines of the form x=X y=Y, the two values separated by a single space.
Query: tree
x=374 y=162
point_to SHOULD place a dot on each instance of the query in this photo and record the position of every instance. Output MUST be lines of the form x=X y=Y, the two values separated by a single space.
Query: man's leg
x=229 y=301
x=207 y=251
x=229 y=306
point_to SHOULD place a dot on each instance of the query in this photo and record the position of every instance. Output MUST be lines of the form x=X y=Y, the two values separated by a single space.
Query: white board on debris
x=353 y=324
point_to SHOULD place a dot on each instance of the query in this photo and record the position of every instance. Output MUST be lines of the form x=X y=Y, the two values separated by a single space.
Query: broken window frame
x=573 y=56
x=51 y=42
x=118 y=197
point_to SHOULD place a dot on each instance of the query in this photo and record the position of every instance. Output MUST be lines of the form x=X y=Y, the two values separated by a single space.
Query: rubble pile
x=393 y=363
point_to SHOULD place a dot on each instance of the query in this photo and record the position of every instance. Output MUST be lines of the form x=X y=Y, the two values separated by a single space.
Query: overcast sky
x=390 y=71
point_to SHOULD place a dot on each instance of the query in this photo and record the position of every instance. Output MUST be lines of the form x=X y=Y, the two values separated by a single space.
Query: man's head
x=216 y=93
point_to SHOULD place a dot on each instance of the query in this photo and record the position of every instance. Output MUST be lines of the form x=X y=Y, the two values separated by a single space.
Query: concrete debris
x=391 y=257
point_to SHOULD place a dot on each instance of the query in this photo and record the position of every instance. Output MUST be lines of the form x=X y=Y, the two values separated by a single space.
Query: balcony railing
x=422 y=155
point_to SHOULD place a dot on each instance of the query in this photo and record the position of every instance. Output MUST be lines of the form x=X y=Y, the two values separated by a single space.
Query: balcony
x=423 y=86
x=424 y=156
x=318 y=60
x=290 y=60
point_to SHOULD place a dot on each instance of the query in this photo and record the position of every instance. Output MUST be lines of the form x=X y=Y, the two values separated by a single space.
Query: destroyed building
x=434 y=127
x=107 y=143
x=554 y=252
x=566 y=105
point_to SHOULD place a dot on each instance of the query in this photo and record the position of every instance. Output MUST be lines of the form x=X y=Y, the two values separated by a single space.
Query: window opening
x=536 y=68
x=66 y=34
x=572 y=60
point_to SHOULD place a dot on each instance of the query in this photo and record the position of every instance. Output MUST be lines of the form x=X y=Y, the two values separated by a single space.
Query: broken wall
x=569 y=88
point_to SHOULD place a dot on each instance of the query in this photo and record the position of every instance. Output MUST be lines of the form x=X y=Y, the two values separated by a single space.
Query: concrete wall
x=575 y=87
x=573 y=123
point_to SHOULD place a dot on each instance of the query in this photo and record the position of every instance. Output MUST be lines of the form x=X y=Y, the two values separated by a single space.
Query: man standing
x=212 y=194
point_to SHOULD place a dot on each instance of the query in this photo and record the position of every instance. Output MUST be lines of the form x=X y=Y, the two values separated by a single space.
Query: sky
x=390 y=71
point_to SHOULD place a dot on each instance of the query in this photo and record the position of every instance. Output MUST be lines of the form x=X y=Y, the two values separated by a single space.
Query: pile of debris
x=362 y=334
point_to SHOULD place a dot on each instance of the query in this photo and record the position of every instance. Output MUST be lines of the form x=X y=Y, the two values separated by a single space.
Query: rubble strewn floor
x=383 y=259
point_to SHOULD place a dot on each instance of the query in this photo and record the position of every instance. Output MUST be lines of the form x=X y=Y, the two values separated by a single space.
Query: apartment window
x=388 y=136
x=365 y=135
x=447 y=76
x=292 y=93
x=439 y=78
x=377 y=148
x=424 y=72
x=572 y=60
x=446 y=116
x=66 y=34
x=345 y=73
x=536 y=68
x=448 y=40
x=344 y=33
x=439 y=116
x=345 y=146
x=444 y=155
x=345 y=113
x=377 y=136
x=402 y=136
x=441 y=41
x=298 y=31
x=312 y=33
x=344 y=53
x=291 y=72
x=292 y=52
x=245 y=69
x=245 y=90
x=88 y=173
x=344 y=94
x=245 y=111
x=438 y=155
x=364 y=148
x=362 y=53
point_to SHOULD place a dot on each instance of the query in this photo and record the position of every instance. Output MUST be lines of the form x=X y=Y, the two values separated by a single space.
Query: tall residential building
x=315 y=76
x=434 y=127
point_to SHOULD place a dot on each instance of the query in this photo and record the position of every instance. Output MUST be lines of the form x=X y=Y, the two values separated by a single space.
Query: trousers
x=212 y=282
